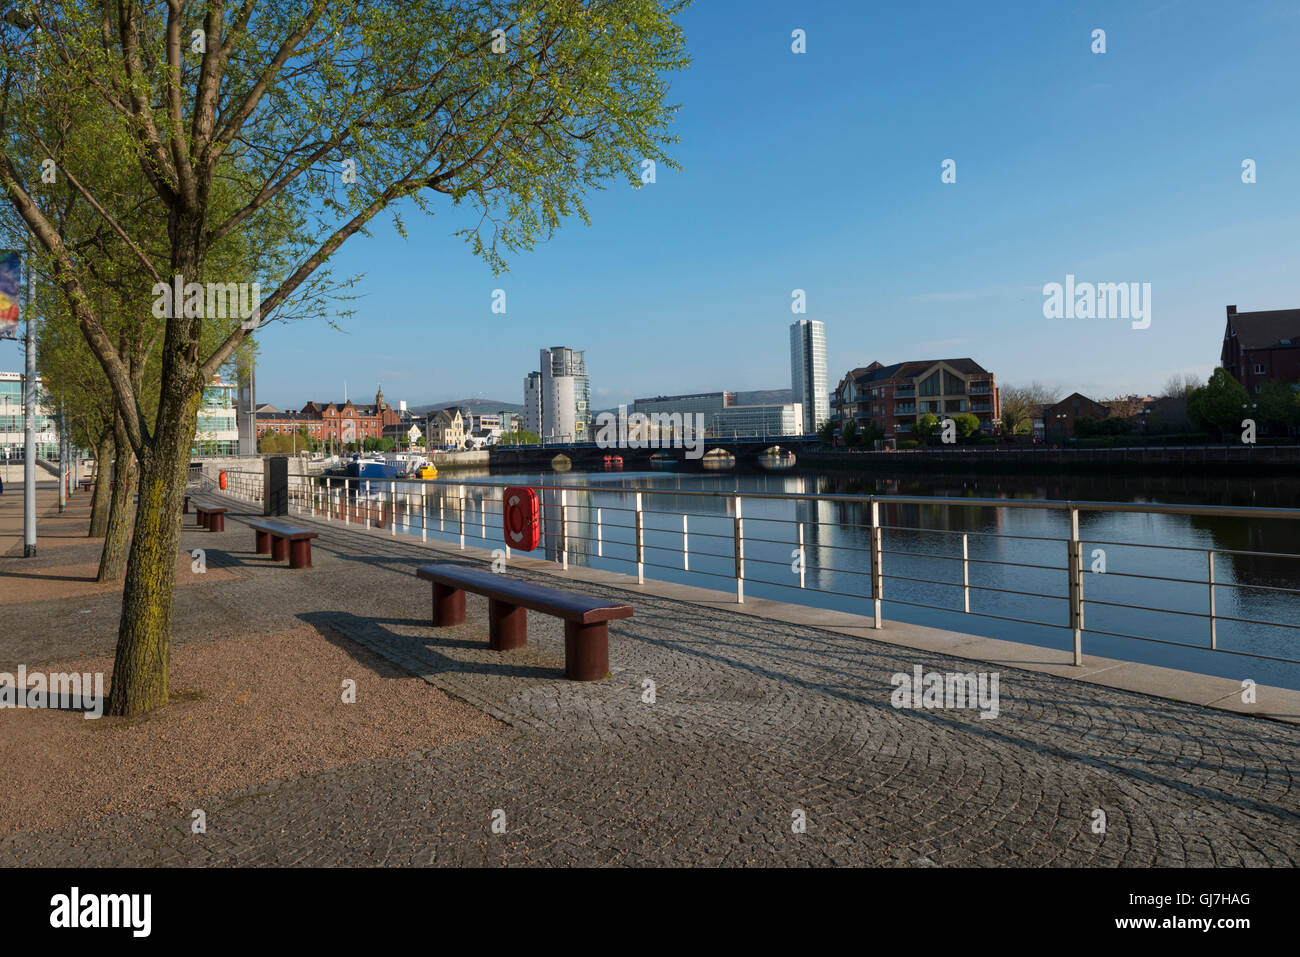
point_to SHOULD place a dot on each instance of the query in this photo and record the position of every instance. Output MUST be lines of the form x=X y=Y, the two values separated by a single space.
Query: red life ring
x=222 y=480
x=521 y=526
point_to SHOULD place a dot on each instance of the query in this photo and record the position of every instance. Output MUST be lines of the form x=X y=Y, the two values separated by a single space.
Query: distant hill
x=473 y=405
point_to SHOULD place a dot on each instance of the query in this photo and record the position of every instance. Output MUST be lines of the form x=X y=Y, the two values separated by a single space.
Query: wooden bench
x=586 y=619
x=284 y=541
x=210 y=517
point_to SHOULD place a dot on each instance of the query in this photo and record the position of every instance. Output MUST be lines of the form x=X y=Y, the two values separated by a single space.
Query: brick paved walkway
x=753 y=722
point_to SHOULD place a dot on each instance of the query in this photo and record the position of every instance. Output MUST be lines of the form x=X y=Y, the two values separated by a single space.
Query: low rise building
x=445 y=429
x=750 y=421
x=892 y=397
x=332 y=424
x=1058 y=419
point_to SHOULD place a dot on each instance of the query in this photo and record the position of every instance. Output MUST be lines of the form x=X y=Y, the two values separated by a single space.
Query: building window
x=1259 y=368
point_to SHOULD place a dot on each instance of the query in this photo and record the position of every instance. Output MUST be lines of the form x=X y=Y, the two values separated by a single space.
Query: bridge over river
x=751 y=451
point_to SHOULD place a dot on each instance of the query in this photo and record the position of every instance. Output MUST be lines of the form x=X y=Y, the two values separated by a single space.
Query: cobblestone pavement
x=755 y=728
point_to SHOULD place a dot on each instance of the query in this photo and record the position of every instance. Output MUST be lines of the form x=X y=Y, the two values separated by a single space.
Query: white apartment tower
x=564 y=396
x=808 y=372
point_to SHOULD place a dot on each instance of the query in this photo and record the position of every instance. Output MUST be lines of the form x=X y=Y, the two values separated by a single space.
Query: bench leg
x=186 y=510
x=279 y=548
x=448 y=606
x=586 y=651
x=263 y=542
x=300 y=553
x=507 y=625
x=217 y=523
x=203 y=519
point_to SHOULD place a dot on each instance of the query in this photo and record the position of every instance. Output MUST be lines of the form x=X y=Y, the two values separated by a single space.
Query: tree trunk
x=144 y=635
x=142 y=662
x=100 y=499
x=112 y=560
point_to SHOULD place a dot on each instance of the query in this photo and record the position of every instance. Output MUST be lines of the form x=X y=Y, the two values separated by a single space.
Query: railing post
x=460 y=515
x=564 y=529
x=1074 y=568
x=482 y=515
x=965 y=574
x=368 y=503
x=877 y=563
x=347 y=511
x=802 y=557
x=442 y=501
x=392 y=507
x=640 y=542
x=738 y=545
x=600 y=544
x=1214 y=637
x=424 y=516
x=686 y=544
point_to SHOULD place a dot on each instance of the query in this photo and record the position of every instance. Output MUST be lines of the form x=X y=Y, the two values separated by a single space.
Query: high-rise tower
x=808 y=372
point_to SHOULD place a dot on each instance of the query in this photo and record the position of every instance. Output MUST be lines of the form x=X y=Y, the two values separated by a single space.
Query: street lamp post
x=29 y=422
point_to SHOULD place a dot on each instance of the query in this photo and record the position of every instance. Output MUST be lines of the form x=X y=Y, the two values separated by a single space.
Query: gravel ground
x=243 y=712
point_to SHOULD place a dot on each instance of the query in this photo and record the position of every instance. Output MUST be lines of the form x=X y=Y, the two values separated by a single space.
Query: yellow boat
x=426 y=471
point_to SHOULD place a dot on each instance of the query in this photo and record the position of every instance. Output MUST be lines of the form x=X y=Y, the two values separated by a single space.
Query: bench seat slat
x=282 y=530
x=582 y=609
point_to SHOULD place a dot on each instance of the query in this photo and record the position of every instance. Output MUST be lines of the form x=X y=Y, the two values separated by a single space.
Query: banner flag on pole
x=9 y=292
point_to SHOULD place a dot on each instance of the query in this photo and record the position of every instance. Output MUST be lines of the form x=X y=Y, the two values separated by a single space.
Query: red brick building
x=333 y=423
x=1261 y=345
x=892 y=397
x=1058 y=419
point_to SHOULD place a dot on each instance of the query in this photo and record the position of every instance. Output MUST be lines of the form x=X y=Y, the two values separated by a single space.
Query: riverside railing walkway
x=865 y=548
x=749 y=725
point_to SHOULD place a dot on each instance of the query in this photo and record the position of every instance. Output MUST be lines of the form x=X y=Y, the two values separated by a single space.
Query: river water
x=1010 y=550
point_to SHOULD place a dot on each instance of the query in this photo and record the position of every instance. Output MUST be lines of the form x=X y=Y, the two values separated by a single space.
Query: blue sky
x=821 y=171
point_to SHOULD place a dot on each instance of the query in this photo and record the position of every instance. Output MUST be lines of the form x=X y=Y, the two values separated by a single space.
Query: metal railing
x=720 y=537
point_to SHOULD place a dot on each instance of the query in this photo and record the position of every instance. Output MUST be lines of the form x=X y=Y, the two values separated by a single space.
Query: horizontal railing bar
x=951 y=531
x=1183 y=644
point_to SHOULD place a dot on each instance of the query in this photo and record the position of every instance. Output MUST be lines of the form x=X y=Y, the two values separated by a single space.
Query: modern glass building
x=217 y=431
x=808 y=372
x=702 y=402
x=12 y=436
x=758 y=421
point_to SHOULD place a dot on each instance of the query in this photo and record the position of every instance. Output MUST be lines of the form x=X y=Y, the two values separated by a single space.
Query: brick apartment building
x=332 y=423
x=892 y=397
x=1261 y=345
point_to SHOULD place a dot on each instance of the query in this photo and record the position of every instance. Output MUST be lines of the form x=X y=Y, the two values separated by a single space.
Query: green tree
x=1021 y=403
x=850 y=434
x=1218 y=406
x=1278 y=404
x=826 y=433
x=926 y=426
x=967 y=424
x=520 y=437
x=339 y=109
